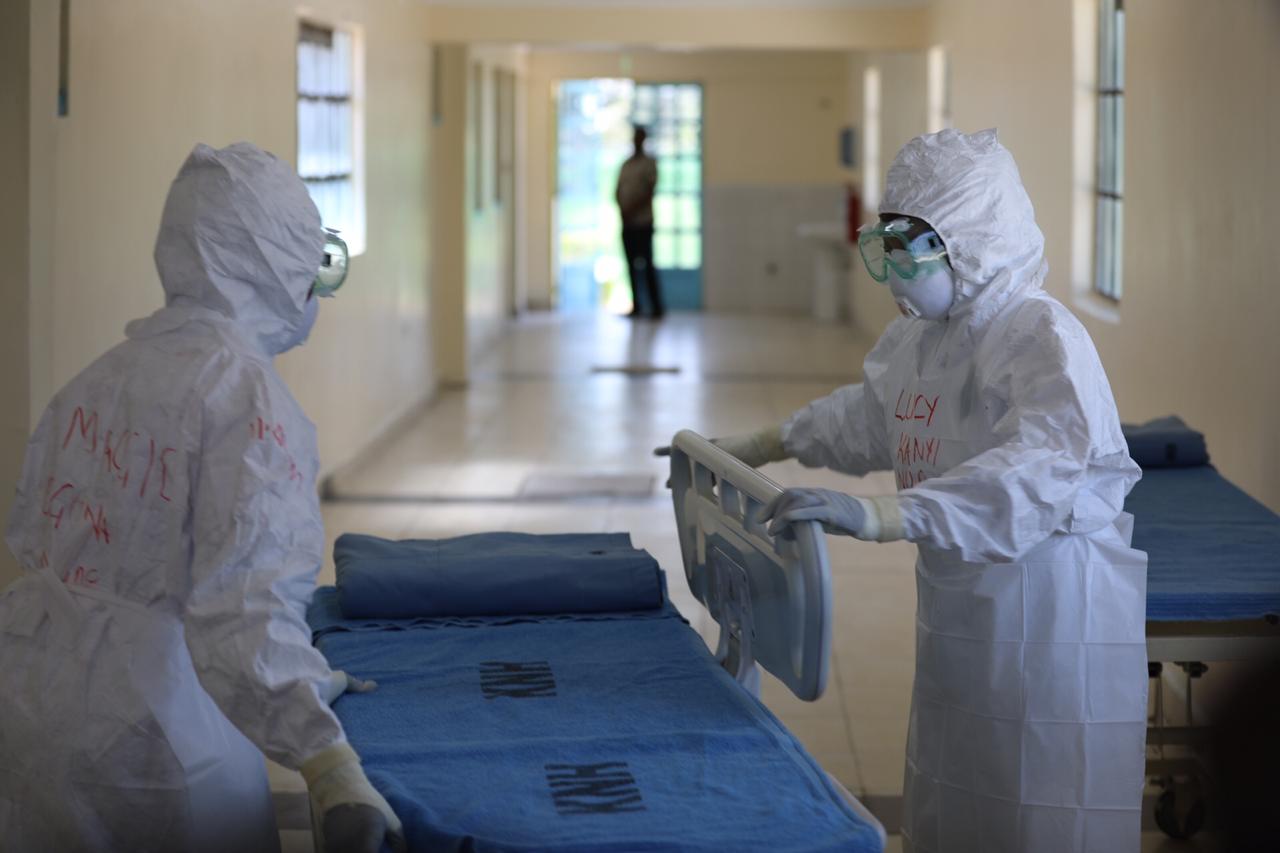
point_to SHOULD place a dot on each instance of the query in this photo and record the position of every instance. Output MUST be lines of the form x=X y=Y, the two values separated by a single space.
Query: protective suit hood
x=241 y=238
x=968 y=188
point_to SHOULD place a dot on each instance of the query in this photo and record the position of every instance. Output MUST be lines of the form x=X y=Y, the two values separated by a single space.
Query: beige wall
x=904 y=104
x=148 y=81
x=539 y=185
x=1012 y=68
x=1195 y=331
x=476 y=258
x=490 y=243
x=903 y=113
x=15 y=99
x=692 y=24
x=770 y=118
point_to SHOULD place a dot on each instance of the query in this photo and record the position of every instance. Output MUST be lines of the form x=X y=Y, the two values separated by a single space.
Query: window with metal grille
x=328 y=159
x=1109 y=240
x=672 y=115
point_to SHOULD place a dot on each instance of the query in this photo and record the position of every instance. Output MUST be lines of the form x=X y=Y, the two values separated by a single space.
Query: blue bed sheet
x=601 y=732
x=494 y=574
x=1214 y=552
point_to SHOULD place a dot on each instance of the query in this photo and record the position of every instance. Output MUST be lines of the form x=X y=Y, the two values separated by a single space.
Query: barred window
x=672 y=115
x=328 y=159
x=1109 y=240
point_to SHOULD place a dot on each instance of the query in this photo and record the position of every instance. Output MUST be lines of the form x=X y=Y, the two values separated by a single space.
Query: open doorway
x=594 y=123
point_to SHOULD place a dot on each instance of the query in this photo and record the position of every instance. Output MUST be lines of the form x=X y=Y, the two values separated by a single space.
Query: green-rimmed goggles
x=909 y=247
x=333 y=266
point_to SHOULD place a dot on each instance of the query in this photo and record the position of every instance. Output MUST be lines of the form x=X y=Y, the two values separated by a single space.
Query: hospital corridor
x=793 y=426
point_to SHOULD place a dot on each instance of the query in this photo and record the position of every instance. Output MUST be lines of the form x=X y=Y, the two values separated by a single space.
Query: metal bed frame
x=770 y=595
x=1181 y=809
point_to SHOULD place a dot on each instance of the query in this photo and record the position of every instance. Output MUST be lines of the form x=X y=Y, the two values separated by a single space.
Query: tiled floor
x=540 y=402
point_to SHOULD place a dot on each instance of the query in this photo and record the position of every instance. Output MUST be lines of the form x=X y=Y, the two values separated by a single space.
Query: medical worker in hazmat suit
x=989 y=403
x=170 y=535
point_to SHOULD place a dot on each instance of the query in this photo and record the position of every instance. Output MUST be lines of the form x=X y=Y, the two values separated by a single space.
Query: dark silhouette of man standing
x=637 y=181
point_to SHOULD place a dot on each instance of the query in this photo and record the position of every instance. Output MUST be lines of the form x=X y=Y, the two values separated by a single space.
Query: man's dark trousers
x=637 y=243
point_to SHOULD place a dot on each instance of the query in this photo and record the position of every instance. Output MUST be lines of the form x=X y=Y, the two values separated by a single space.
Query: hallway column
x=449 y=202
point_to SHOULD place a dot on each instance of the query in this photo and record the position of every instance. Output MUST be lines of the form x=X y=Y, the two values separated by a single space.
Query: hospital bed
x=1213 y=595
x=606 y=724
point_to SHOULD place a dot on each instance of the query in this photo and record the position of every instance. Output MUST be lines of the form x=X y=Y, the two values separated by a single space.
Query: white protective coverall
x=1029 y=706
x=170 y=533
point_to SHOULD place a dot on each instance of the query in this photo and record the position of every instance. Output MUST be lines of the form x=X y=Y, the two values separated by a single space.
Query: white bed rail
x=770 y=595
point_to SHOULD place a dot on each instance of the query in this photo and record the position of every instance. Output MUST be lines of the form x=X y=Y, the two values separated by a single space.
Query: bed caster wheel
x=1180 y=811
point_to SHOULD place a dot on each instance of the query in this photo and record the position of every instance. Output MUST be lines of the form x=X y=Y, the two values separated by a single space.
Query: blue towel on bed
x=1213 y=551
x=1166 y=443
x=601 y=733
x=494 y=574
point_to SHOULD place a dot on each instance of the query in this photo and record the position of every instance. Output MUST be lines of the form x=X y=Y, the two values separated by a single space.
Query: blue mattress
x=593 y=732
x=1214 y=552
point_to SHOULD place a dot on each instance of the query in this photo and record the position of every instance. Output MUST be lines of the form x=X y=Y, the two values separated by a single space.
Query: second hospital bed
x=1213 y=595
x=593 y=718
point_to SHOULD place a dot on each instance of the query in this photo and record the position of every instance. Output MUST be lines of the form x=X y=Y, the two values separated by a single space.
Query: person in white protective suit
x=989 y=403
x=169 y=531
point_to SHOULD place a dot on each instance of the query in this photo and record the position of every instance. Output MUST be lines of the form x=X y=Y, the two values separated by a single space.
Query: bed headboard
x=770 y=595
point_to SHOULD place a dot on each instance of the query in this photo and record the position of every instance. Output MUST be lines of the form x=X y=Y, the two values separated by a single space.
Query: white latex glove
x=348 y=805
x=340 y=682
x=874 y=519
x=755 y=449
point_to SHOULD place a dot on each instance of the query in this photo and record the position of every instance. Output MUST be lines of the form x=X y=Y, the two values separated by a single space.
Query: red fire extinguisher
x=853 y=212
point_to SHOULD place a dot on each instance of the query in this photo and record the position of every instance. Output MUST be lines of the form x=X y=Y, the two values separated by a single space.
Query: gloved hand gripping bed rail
x=607 y=730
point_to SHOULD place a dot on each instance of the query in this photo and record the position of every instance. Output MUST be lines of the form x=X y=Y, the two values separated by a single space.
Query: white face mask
x=309 y=314
x=926 y=297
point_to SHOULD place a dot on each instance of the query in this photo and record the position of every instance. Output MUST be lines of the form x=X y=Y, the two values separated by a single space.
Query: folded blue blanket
x=494 y=574
x=1166 y=443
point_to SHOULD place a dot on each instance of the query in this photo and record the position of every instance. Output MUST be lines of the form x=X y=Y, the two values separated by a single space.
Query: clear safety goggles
x=333 y=266
x=909 y=248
